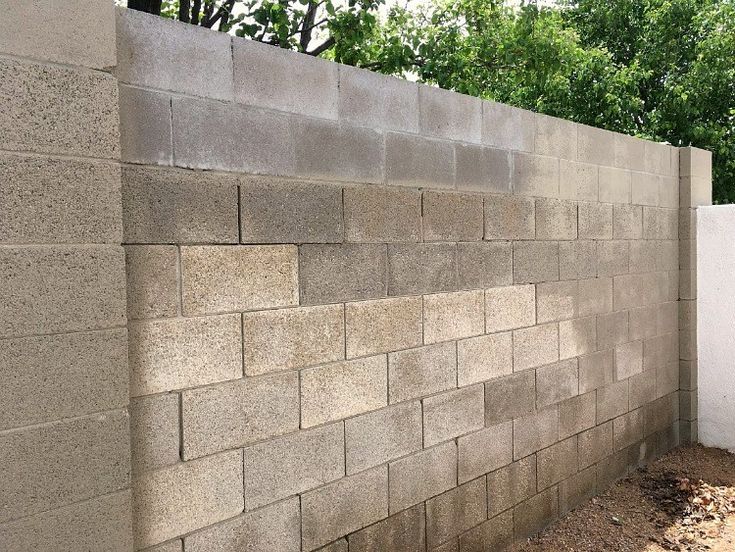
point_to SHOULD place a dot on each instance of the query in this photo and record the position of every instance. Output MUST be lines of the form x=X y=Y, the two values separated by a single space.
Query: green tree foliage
x=660 y=69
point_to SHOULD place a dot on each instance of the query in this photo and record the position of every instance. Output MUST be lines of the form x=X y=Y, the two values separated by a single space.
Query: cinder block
x=382 y=215
x=534 y=175
x=577 y=259
x=688 y=284
x=577 y=414
x=225 y=279
x=453 y=413
x=644 y=189
x=185 y=497
x=99 y=524
x=613 y=257
x=658 y=158
x=422 y=475
x=149 y=47
x=484 y=264
x=330 y=392
x=687 y=250
x=485 y=451
x=61 y=289
x=453 y=315
x=52 y=465
x=595 y=444
x=536 y=513
x=337 y=546
x=451 y=216
x=176 y=206
x=481 y=169
x=557 y=462
x=508 y=308
x=595 y=145
x=596 y=370
x=232 y=137
x=642 y=389
x=659 y=414
x=688 y=374
x=49 y=32
x=556 y=219
x=289 y=211
x=47 y=378
x=667 y=379
x=152 y=281
x=628 y=429
x=378 y=437
x=404 y=531
x=510 y=485
x=370 y=99
x=293 y=464
x=556 y=301
x=285 y=339
x=643 y=255
x=417 y=161
x=535 y=346
x=687 y=223
x=627 y=222
x=695 y=162
x=577 y=337
x=612 y=329
x=283 y=80
x=695 y=191
x=422 y=268
x=507 y=127
x=556 y=382
x=383 y=325
x=494 y=534
x=628 y=359
x=484 y=357
x=64 y=102
x=612 y=401
x=419 y=372
x=154 y=431
x=556 y=137
x=45 y=200
x=595 y=221
x=615 y=185
x=578 y=181
x=328 y=150
x=616 y=466
x=669 y=192
x=238 y=413
x=449 y=115
x=183 y=352
x=535 y=432
x=276 y=527
x=510 y=397
x=509 y=217
x=455 y=511
x=338 y=273
x=595 y=296
x=535 y=261
x=660 y=224
x=629 y=152
x=344 y=506
x=667 y=316
x=577 y=490
x=145 y=126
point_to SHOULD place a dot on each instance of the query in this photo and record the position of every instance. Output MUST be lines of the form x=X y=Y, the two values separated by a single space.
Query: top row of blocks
x=161 y=54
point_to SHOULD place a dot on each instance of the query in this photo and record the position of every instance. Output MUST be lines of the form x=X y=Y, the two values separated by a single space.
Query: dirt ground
x=684 y=501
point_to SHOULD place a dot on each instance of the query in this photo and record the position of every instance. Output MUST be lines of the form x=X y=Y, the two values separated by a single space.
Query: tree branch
x=184 y=11
x=326 y=45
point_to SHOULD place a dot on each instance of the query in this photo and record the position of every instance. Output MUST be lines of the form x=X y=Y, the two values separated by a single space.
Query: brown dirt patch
x=682 y=502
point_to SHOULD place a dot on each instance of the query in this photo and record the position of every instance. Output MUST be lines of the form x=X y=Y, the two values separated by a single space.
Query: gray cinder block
x=509 y=218
x=579 y=181
x=556 y=219
x=535 y=261
x=483 y=169
x=577 y=414
x=484 y=451
x=627 y=222
x=536 y=513
x=453 y=315
x=595 y=221
x=293 y=464
x=403 y=531
x=557 y=300
x=556 y=382
x=507 y=127
x=456 y=511
x=557 y=462
x=383 y=325
x=510 y=397
x=535 y=432
x=628 y=359
x=145 y=126
x=422 y=268
x=453 y=413
x=595 y=145
x=615 y=185
x=344 y=506
x=556 y=137
x=267 y=406
x=595 y=296
x=535 y=346
x=449 y=115
x=422 y=475
x=644 y=189
x=577 y=337
x=627 y=429
x=156 y=52
x=423 y=371
x=630 y=153
x=154 y=431
x=613 y=257
x=272 y=77
x=484 y=264
x=596 y=370
x=382 y=215
x=612 y=401
x=577 y=259
x=496 y=533
x=451 y=216
x=510 y=307
x=152 y=281
x=534 y=175
x=183 y=352
x=418 y=161
x=484 y=357
x=511 y=485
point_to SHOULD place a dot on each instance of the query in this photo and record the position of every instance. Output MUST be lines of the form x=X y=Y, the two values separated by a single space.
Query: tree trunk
x=148 y=6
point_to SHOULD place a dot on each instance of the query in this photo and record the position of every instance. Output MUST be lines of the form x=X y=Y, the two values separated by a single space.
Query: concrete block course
x=239 y=278
x=508 y=308
x=577 y=337
x=509 y=218
x=453 y=315
x=511 y=485
x=595 y=221
x=536 y=513
x=383 y=325
x=382 y=215
x=557 y=462
x=145 y=126
x=535 y=261
x=482 y=169
x=449 y=115
x=535 y=346
x=154 y=431
x=422 y=268
x=453 y=413
x=415 y=373
x=403 y=532
x=556 y=382
x=414 y=161
x=535 y=432
x=484 y=264
x=343 y=389
x=534 y=175
x=556 y=301
x=510 y=397
x=152 y=281
x=484 y=357
x=556 y=219
x=285 y=339
x=615 y=185
x=289 y=211
x=578 y=181
x=577 y=259
x=451 y=216
x=455 y=511
x=484 y=451
x=507 y=127
x=556 y=137
x=343 y=507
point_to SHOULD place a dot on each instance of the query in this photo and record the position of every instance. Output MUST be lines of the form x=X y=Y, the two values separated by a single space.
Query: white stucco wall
x=716 y=324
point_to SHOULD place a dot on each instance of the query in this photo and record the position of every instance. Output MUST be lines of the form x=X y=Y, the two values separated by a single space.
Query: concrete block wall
x=367 y=314
x=64 y=430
